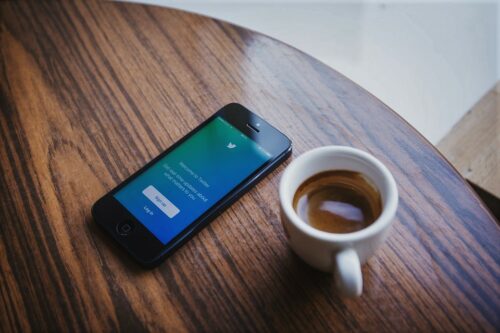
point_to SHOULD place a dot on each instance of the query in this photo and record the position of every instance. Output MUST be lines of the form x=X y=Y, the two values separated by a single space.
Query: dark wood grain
x=90 y=91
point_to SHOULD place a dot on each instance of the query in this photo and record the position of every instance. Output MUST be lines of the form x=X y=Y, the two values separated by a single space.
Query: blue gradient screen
x=181 y=186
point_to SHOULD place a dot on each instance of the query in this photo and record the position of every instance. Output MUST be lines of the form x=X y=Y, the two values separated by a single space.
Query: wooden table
x=90 y=91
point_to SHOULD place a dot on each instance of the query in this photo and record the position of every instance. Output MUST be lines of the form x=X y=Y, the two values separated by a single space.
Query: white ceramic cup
x=341 y=254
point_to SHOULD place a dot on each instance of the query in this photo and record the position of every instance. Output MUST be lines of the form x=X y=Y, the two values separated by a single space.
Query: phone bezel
x=141 y=243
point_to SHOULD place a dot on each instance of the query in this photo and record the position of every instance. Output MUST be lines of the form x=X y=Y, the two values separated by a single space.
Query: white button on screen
x=160 y=201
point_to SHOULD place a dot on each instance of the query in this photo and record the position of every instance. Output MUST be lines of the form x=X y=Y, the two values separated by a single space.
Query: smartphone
x=162 y=205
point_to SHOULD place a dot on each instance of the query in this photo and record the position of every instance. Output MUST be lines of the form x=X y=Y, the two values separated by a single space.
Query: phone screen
x=181 y=186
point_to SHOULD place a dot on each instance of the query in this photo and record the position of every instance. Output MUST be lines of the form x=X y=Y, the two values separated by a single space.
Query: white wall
x=429 y=61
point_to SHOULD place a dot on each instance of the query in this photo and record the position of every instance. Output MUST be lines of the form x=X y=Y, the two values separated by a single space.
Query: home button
x=124 y=228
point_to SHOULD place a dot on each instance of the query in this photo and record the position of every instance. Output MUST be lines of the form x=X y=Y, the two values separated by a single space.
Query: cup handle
x=347 y=273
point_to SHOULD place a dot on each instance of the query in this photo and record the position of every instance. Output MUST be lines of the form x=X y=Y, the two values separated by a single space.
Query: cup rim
x=388 y=209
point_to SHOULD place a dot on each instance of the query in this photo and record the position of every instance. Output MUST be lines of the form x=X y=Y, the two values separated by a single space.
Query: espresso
x=338 y=201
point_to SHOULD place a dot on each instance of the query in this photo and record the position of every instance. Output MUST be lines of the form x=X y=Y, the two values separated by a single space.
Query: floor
x=473 y=144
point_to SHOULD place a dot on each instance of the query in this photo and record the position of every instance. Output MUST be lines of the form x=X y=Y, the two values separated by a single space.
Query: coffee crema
x=338 y=201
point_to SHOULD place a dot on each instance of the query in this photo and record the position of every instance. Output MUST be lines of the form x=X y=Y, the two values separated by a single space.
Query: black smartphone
x=172 y=197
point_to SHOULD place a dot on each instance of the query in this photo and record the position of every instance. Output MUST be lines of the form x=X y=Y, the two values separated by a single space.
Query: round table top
x=91 y=91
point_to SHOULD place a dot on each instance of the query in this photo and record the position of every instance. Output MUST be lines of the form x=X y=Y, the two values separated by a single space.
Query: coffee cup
x=339 y=253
